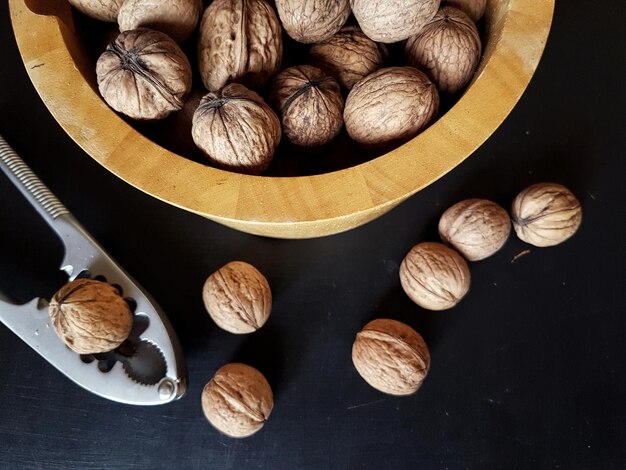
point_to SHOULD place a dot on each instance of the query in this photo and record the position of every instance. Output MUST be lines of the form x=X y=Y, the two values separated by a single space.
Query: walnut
x=237 y=400
x=477 y=228
x=310 y=105
x=144 y=74
x=434 y=276
x=349 y=56
x=475 y=9
x=236 y=129
x=90 y=316
x=103 y=10
x=239 y=41
x=546 y=214
x=311 y=21
x=390 y=106
x=393 y=20
x=238 y=297
x=176 y=18
x=391 y=357
x=448 y=49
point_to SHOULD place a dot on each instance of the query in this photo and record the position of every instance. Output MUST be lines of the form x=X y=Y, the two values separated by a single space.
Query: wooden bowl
x=283 y=207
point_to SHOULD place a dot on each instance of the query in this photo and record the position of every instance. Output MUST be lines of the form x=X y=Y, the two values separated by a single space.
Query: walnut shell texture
x=393 y=20
x=349 y=56
x=240 y=41
x=103 y=10
x=390 y=106
x=310 y=105
x=238 y=400
x=236 y=129
x=144 y=74
x=176 y=18
x=448 y=49
x=476 y=228
x=238 y=298
x=391 y=357
x=90 y=316
x=310 y=21
x=546 y=214
x=475 y=9
x=434 y=276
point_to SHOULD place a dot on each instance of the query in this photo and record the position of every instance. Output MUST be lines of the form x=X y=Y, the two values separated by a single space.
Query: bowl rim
x=288 y=207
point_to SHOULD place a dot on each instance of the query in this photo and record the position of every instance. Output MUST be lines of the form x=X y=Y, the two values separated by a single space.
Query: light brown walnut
x=310 y=21
x=310 y=105
x=434 y=276
x=238 y=297
x=240 y=41
x=236 y=129
x=391 y=357
x=238 y=400
x=393 y=20
x=390 y=106
x=103 y=10
x=448 y=49
x=546 y=214
x=476 y=228
x=475 y=9
x=90 y=316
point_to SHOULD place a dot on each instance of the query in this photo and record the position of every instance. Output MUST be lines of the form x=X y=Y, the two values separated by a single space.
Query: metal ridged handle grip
x=29 y=184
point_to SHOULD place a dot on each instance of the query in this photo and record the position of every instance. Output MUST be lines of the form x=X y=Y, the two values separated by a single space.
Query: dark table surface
x=527 y=372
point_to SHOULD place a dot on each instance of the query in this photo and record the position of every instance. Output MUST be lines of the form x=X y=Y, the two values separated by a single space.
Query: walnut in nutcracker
x=90 y=316
x=475 y=9
x=448 y=49
x=144 y=74
x=390 y=106
x=391 y=357
x=310 y=105
x=236 y=129
x=103 y=10
x=239 y=41
x=349 y=56
x=310 y=21
x=238 y=400
x=393 y=20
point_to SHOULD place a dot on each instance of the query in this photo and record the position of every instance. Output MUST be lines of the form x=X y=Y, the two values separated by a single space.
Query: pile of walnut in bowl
x=238 y=78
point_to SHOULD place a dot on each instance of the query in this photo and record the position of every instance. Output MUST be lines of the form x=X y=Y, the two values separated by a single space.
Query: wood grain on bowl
x=285 y=207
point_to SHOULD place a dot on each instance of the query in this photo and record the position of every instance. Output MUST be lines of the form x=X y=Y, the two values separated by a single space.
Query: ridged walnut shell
x=434 y=276
x=448 y=49
x=240 y=41
x=236 y=129
x=310 y=105
x=103 y=10
x=393 y=20
x=391 y=357
x=546 y=214
x=390 y=106
x=237 y=400
x=90 y=316
x=475 y=9
x=176 y=18
x=238 y=297
x=476 y=228
x=310 y=21
x=349 y=56
x=144 y=74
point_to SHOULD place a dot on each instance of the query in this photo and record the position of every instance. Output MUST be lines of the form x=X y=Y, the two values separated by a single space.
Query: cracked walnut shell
x=448 y=49
x=103 y=10
x=546 y=214
x=310 y=105
x=144 y=74
x=238 y=400
x=475 y=9
x=239 y=42
x=434 y=276
x=391 y=357
x=476 y=228
x=90 y=316
x=238 y=298
x=311 y=21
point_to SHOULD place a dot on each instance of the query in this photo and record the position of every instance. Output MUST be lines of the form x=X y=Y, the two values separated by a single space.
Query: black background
x=527 y=372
